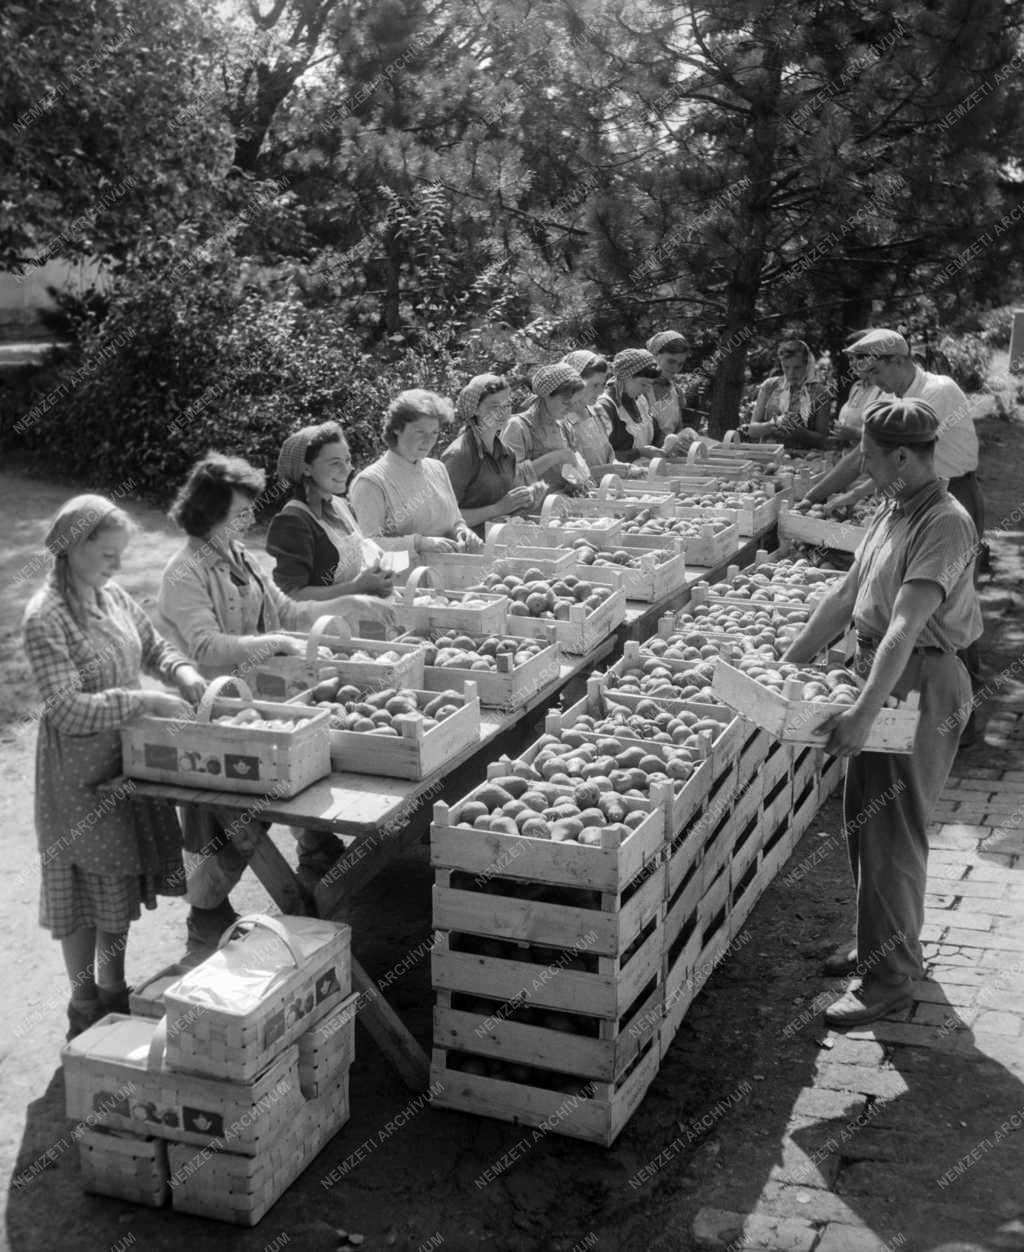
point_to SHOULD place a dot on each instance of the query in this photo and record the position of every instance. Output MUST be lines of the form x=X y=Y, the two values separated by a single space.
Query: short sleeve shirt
x=928 y=537
x=956 y=451
x=479 y=478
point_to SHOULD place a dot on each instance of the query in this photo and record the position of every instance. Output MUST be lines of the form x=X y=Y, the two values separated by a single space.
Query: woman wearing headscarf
x=850 y=421
x=487 y=479
x=217 y=605
x=792 y=406
x=540 y=436
x=589 y=431
x=88 y=642
x=624 y=405
x=319 y=550
x=404 y=501
x=669 y=404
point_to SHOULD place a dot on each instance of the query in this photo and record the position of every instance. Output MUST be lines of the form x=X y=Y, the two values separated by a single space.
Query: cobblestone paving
x=860 y=1166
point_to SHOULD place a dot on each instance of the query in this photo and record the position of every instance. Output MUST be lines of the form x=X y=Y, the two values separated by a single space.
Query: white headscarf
x=804 y=395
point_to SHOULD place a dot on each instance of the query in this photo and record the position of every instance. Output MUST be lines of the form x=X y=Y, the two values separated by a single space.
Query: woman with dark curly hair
x=219 y=607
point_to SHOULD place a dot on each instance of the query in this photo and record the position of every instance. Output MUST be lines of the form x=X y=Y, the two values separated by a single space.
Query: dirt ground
x=418 y=1186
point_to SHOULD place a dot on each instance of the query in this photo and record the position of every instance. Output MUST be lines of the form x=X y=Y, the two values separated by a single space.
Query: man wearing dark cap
x=886 y=362
x=910 y=594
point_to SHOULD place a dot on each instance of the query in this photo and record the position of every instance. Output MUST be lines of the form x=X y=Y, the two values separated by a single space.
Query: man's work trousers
x=887 y=805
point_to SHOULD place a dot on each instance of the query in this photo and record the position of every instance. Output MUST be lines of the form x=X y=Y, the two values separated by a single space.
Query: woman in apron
x=624 y=405
x=103 y=854
x=317 y=545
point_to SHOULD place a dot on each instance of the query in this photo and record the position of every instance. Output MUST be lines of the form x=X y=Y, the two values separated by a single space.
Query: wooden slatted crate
x=822 y=532
x=553 y=531
x=660 y=572
x=476 y=612
x=386 y=664
x=415 y=752
x=457 y=571
x=584 y=629
x=509 y=686
x=795 y=720
x=715 y=540
x=592 y=1111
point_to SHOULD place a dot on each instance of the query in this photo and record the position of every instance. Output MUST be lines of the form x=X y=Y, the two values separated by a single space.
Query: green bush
x=996 y=326
x=189 y=359
x=969 y=358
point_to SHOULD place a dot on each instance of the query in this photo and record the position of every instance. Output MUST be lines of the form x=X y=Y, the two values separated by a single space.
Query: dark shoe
x=318 y=851
x=863 y=1003
x=843 y=961
x=969 y=734
x=204 y=928
x=81 y=1015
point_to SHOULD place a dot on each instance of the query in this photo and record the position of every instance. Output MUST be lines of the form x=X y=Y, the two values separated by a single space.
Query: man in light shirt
x=885 y=361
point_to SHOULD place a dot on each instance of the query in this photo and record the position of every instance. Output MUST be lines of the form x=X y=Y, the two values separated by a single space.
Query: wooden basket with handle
x=387 y=664
x=252 y=759
x=206 y=1035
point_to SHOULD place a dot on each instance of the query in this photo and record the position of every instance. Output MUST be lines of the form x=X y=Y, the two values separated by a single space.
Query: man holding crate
x=910 y=594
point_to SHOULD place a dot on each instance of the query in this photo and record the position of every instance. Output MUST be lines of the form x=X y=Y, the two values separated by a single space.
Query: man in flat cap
x=910 y=594
x=884 y=356
x=885 y=361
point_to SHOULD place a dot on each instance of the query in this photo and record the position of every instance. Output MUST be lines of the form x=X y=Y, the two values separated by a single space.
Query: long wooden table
x=378 y=818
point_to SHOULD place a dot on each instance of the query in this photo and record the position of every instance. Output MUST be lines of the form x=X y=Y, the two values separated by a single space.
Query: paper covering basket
x=262 y=989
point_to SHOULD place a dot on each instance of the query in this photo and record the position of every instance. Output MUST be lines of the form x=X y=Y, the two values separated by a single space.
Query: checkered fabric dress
x=103 y=854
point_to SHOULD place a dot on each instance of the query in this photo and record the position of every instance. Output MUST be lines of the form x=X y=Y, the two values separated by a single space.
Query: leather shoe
x=842 y=961
x=867 y=1002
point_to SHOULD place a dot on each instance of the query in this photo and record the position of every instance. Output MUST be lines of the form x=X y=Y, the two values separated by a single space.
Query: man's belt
x=868 y=644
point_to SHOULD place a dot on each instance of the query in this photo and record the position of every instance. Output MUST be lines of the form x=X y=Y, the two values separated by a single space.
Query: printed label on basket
x=160 y=756
x=247 y=767
x=327 y=985
x=201 y=1121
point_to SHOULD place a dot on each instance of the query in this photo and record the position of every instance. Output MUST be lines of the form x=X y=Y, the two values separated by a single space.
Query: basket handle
x=731 y=436
x=412 y=583
x=205 y=710
x=657 y=467
x=157 y=1047
x=493 y=539
x=252 y=920
x=554 y=507
x=697 y=451
x=611 y=488
x=319 y=629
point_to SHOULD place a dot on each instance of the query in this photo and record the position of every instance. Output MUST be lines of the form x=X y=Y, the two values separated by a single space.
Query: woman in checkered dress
x=103 y=854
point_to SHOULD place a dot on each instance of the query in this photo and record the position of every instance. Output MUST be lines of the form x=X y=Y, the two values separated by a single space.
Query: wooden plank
x=388 y=1032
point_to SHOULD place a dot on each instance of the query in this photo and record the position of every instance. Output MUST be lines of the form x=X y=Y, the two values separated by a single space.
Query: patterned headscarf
x=632 y=361
x=549 y=378
x=803 y=391
x=75 y=521
x=291 y=460
x=582 y=360
x=470 y=396
x=666 y=341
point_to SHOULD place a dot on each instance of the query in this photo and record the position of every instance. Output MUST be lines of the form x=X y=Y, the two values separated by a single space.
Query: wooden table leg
x=388 y=1032
x=379 y=1018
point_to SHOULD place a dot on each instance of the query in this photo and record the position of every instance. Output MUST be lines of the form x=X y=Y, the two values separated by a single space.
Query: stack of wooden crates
x=218 y=1115
x=546 y=1040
